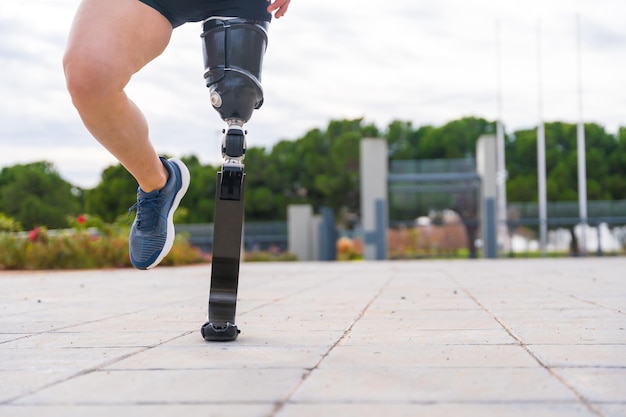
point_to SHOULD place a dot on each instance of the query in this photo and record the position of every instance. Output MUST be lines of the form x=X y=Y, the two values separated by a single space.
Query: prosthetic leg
x=233 y=57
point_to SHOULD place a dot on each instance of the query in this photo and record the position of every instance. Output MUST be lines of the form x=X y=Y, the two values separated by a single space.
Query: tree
x=403 y=141
x=114 y=195
x=616 y=183
x=605 y=163
x=466 y=206
x=35 y=195
x=199 y=202
x=321 y=169
x=331 y=164
x=456 y=139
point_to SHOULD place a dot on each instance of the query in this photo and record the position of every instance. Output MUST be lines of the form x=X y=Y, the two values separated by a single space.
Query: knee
x=89 y=79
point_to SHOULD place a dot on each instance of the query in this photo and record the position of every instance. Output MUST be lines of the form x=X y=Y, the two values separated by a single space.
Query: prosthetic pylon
x=233 y=56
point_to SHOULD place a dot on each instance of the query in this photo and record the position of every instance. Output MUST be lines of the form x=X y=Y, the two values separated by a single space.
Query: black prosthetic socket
x=233 y=58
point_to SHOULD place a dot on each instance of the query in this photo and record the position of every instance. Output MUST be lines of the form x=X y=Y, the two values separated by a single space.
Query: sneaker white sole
x=171 y=231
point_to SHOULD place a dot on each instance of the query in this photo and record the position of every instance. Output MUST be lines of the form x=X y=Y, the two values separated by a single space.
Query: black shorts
x=183 y=11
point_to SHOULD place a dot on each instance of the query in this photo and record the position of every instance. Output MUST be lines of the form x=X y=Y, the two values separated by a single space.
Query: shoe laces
x=148 y=212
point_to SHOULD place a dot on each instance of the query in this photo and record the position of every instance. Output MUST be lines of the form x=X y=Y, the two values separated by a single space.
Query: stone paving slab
x=481 y=338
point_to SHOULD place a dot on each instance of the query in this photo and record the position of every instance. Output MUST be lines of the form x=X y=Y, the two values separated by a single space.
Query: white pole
x=543 y=204
x=541 y=154
x=500 y=152
x=580 y=142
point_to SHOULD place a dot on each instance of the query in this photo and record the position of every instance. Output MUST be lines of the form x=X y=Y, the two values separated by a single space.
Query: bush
x=270 y=256
x=92 y=243
x=9 y=224
x=183 y=253
x=80 y=248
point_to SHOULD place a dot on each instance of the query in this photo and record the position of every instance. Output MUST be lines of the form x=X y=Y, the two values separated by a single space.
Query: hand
x=278 y=6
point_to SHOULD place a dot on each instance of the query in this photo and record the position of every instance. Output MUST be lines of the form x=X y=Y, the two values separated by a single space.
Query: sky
x=423 y=61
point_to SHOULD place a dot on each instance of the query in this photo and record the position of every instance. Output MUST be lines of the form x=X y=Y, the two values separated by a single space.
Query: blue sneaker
x=152 y=232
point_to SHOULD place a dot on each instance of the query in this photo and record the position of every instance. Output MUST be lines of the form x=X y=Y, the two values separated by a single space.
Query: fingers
x=279 y=7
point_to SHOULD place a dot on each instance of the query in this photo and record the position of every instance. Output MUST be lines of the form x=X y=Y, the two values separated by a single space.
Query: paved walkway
x=499 y=338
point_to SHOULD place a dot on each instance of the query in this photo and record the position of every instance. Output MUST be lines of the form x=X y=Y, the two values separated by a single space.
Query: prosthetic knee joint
x=233 y=57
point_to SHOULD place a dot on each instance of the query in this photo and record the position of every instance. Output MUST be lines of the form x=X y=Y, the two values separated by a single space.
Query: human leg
x=108 y=43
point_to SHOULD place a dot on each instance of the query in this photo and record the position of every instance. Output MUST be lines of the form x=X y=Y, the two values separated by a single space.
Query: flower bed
x=80 y=248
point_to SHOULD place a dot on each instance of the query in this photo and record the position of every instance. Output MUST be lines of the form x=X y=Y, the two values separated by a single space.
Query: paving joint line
x=70 y=326
x=309 y=371
x=587 y=403
x=95 y=368
x=285 y=296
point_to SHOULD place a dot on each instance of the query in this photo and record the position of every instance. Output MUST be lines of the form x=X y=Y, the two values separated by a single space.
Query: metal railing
x=567 y=213
x=432 y=166
x=257 y=235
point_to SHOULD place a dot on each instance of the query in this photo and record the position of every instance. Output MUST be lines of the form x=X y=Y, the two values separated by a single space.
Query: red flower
x=81 y=219
x=33 y=234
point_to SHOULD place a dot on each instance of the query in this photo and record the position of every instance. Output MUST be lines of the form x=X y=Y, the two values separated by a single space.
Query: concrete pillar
x=300 y=231
x=327 y=230
x=486 y=166
x=315 y=236
x=374 y=218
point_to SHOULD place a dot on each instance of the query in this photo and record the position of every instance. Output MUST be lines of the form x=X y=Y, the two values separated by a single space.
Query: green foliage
x=265 y=197
x=35 y=195
x=81 y=248
x=456 y=139
x=183 y=253
x=115 y=193
x=8 y=224
x=199 y=202
x=605 y=162
x=270 y=257
x=321 y=168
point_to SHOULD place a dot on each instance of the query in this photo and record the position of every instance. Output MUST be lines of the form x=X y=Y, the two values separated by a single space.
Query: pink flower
x=33 y=234
x=81 y=219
